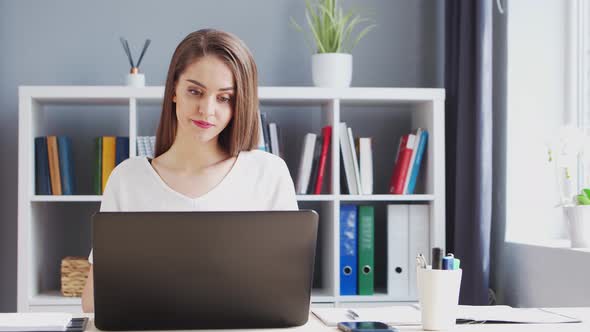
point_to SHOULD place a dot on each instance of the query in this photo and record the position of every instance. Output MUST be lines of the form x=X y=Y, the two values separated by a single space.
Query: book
x=347 y=160
x=313 y=179
x=366 y=249
x=261 y=144
x=274 y=139
x=305 y=163
x=418 y=161
x=265 y=133
x=66 y=165
x=327 y=138
x=108 y=158
x=121 y=149
x=54 y=173
x=42 y=177
x=355 y=162
x=401 y=164
x=98 y=166
x=366 y=165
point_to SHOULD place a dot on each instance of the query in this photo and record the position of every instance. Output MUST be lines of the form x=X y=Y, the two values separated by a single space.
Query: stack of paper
x=27 y=322
x=507 y=314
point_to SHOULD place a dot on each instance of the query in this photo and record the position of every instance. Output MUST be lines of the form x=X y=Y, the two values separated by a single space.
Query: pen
x=436 y=258
x=351 y=314
x=421 y=261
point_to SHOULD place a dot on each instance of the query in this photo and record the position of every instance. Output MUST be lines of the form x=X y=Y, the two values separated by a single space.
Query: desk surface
x=315 y=325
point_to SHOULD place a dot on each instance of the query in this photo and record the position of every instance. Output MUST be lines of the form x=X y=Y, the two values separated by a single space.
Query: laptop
x=203 y=270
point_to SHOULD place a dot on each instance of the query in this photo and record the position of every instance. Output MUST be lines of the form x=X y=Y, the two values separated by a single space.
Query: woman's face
x=204 y=98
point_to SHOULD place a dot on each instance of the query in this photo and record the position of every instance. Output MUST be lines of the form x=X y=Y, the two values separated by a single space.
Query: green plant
x=332 y=28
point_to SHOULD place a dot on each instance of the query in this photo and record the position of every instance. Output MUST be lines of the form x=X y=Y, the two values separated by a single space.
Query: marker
x=448 y=263
x=436 y=258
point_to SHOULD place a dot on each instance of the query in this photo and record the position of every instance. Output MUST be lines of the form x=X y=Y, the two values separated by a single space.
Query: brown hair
x=242 y=132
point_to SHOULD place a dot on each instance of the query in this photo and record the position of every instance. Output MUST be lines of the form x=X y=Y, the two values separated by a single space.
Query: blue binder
x=348 y=250
x=417 y=161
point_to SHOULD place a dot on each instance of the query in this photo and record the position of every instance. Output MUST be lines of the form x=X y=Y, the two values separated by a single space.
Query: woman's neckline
x=223 y=182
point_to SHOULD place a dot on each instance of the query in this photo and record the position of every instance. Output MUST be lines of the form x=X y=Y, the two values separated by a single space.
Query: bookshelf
x=50 y=227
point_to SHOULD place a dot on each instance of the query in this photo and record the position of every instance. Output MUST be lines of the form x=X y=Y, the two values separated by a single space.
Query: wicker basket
x=74 y=271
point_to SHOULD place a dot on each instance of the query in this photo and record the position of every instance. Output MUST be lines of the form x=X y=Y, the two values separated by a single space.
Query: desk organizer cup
x=438 y=292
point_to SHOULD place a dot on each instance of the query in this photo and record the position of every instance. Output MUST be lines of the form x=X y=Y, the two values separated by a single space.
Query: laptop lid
x=200 y=270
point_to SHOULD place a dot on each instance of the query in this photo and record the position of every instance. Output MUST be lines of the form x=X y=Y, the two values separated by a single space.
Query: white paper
x=34 y=321
x=503 y=313
x=392 y=315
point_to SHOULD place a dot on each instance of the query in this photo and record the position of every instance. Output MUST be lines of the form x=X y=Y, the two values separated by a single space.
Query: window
x=548 y=88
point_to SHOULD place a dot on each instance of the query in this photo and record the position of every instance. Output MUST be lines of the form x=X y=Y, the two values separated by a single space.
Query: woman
x=205 y=158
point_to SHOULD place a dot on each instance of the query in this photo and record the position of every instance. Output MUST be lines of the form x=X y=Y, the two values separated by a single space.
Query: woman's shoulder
x=262 y=159
x=130 y=167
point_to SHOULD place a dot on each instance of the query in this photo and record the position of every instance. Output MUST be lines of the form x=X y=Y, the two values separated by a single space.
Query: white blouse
x=257 y=181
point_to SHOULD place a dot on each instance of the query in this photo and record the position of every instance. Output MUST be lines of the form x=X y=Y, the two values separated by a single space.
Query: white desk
x=314 y=325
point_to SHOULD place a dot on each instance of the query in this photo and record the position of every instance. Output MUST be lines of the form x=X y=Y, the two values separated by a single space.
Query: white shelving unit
x=386 y=112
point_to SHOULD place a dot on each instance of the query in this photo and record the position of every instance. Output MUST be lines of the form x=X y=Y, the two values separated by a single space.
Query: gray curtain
x=468 y=84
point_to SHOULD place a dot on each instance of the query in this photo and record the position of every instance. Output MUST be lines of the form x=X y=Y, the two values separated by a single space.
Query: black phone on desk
x=365 y=327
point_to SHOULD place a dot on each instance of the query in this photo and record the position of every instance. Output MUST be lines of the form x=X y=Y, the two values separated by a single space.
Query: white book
x=398 y=251
x=261 y=144
x=347 y=160
x=419 y=215
x=274 y=138
x=418 y=134
x=366 y=165
x=355 y=161
x=305 y=163
x=152 y=141
x=27 y=321
x=140 y=147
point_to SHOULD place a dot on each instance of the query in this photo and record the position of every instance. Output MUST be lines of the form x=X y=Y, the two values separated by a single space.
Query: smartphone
x=365 y=327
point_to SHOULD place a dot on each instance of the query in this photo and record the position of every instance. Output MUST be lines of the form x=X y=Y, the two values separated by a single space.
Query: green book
x=98 y=166
x=366 y=250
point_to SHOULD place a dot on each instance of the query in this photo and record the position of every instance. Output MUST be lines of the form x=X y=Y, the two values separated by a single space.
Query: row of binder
x=408 y=235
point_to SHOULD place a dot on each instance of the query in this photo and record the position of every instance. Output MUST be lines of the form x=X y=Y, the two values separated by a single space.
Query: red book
x=402 y=163
x=327 y=134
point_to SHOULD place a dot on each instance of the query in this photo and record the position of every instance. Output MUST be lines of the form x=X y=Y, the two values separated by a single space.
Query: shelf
x=378 y=297
x=316 y=197
x=66 y=198
x=320 y=295
x=55 y=298
x=385 y=198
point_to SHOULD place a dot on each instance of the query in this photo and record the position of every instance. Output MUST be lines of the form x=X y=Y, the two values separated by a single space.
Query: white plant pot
x=331 y=70
x=579 y=225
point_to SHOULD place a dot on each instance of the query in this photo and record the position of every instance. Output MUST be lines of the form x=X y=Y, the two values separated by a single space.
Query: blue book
x=121 y=149
x=348 y=250
x=66 y=165
x=417 y=161
x=42 y=180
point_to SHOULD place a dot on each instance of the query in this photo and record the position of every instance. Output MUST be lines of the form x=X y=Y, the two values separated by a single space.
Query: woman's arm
x=88 y=293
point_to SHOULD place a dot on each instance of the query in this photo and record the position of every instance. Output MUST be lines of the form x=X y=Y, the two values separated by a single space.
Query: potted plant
x=569 y=149
x=332 y=35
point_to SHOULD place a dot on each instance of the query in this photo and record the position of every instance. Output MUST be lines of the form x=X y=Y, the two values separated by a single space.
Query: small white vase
x=579 y=225
x=331 y=70
x=135 y=78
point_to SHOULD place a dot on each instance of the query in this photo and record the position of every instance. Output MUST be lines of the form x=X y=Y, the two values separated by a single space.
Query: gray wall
x=77 y=43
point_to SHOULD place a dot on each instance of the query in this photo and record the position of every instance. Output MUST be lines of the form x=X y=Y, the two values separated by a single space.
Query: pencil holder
x=438 y=292
x=135 y=78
